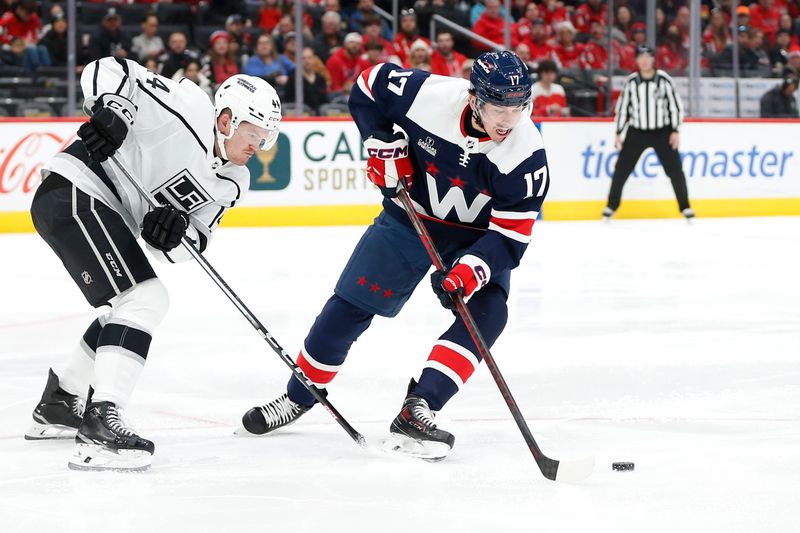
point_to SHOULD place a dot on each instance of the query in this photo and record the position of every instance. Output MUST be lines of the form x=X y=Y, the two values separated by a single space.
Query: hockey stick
x=568 y=471
x=257 y=325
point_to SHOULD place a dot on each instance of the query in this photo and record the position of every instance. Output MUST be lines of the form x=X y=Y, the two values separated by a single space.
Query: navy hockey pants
x=384 y=269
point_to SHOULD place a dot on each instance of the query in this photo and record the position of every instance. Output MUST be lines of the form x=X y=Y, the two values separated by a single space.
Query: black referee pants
x=636 y=141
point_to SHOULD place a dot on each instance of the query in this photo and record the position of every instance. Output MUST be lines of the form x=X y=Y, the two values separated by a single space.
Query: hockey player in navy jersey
x=477 y=176
x=190 y=154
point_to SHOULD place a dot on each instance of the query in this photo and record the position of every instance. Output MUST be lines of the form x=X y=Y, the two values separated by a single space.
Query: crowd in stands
x=208 y=42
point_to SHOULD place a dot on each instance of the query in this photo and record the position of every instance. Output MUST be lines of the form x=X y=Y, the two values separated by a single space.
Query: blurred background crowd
x=562 y=40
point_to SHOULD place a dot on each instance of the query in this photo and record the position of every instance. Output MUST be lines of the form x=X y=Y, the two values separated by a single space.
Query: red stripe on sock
x=320 y=377
x=452 y=360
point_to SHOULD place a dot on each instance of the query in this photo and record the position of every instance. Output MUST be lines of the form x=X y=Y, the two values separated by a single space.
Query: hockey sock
x=455 y=357
x=77 y=373
x=336 y=329
x=125 y=340
x=121 y=353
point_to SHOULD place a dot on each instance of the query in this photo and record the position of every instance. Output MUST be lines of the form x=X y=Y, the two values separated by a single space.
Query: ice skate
x=266 y=418
x=688 y=214
x=607 y=214
x=414 y=433
x=58 y=414
x=105 y=442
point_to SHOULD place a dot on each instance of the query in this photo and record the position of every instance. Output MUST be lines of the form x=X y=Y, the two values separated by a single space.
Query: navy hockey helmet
x=501 y=78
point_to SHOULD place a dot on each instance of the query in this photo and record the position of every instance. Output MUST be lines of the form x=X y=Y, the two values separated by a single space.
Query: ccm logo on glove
x=388 y=161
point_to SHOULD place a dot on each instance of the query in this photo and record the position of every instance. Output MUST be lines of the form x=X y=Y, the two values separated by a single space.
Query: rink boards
x=315 y=174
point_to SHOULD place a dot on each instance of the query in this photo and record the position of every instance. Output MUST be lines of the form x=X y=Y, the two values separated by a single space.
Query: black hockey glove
x=163 y=227
x=105 y=131
x=437 y=278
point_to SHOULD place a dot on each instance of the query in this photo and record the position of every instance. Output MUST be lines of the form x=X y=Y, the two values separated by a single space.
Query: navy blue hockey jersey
x=468 y=185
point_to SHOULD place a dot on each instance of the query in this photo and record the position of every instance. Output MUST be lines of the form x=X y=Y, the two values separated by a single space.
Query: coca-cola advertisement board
x=24 y=147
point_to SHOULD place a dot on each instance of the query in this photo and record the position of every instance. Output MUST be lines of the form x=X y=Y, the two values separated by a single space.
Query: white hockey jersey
x=169 y=149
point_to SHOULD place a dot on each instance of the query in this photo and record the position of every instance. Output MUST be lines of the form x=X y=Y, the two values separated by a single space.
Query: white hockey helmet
x=252 y=100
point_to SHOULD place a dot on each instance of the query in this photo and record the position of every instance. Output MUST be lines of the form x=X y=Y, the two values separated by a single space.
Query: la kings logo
x=183 y=191
x=427 y=145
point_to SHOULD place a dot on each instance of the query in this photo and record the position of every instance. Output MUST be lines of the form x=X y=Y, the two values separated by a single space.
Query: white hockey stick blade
x=400 y=445
x=574 y=471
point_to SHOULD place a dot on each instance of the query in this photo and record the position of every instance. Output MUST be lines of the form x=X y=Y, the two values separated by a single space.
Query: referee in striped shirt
x=652 y=112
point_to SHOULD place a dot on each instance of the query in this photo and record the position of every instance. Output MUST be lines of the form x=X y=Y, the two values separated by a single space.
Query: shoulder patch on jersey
x=524 y=140
x=438 y=106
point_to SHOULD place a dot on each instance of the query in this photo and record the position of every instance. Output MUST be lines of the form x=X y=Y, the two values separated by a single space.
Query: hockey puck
x=622 y=467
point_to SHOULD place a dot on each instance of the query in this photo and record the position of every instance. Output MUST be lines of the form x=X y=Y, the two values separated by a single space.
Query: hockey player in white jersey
x=190 y=154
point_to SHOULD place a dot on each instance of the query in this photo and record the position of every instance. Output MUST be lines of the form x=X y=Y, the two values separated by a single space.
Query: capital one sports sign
x=24 y=148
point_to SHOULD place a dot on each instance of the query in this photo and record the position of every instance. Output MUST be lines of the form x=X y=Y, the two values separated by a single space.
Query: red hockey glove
x=469 y=275
x=388 y=161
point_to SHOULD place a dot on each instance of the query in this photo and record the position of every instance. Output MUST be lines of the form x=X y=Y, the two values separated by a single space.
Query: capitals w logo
x=454 y=199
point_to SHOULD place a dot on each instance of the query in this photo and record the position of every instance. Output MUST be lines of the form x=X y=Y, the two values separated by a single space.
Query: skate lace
x=422 y=412
x=279 y=411
x=116 y=422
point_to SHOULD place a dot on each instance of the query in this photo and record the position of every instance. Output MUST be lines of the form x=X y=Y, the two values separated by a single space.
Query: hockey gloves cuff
x=163 y=227
x=104 y=132
x=388 y=161
x=468 y=275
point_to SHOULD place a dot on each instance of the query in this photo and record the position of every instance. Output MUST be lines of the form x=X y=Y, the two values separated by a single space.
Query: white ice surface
x=673 y=346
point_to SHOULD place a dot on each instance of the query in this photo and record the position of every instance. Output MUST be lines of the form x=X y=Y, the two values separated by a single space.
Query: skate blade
x=401 y=445
x=50 y=432
x=95 y=458
x=242 y=432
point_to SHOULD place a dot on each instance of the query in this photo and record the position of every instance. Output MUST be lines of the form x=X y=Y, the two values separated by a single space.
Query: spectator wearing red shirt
x=521 y=30
x=218 y=65
x=548 y=97
x=490 y=25
x=595 y=51
x=373 y=31
x=537 y=42
x=623 y=24
x=445 y=61
x=717 y=34
x=567 y=52
x=345 y=64
x=766 y=17
x=21 y=21
x=671 y=56
x=553 y=13
x=409 y=32
x=591 y=10
x=269 y=15
x=627 y=53
x=682 y=22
